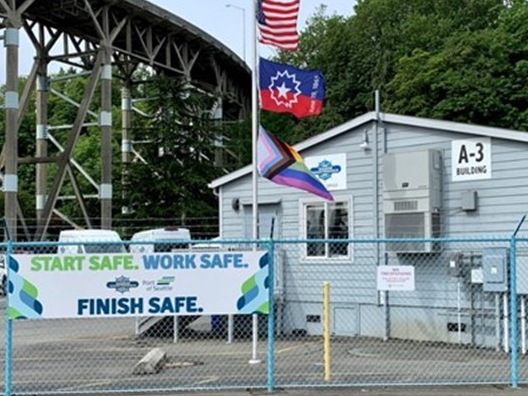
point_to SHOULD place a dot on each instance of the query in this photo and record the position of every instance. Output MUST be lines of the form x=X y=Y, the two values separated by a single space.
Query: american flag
x=277 y=21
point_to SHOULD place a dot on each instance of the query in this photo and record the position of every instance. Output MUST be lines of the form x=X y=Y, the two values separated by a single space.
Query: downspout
x=383 y=296
x=230 y=318
x=375 y=170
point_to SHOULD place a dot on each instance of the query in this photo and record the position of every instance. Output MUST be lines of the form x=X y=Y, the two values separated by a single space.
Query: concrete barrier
x=151 y=363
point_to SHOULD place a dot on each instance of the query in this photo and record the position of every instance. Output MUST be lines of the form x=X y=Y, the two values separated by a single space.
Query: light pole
x=243 y=28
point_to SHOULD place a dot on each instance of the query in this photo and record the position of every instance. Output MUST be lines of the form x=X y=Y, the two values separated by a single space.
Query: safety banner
x=153 y=284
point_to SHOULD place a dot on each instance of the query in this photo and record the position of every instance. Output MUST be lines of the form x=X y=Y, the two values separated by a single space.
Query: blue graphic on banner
x=23 y=303
x=255 y=291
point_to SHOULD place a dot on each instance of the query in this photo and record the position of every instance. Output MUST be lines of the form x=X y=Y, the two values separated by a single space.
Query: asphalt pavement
x=470 y=390
x=87 y=346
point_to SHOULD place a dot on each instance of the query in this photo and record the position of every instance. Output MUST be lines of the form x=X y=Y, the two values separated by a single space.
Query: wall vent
x=400 y=206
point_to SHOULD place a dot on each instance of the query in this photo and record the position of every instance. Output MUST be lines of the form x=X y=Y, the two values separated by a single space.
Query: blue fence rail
x=402 y=312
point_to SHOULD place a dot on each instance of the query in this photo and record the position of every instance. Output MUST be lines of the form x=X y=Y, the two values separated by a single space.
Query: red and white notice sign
x=396 y=277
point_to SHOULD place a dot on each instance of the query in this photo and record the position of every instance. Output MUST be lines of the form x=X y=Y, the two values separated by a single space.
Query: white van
x=81 y=237
x=167 y=239
x=209 y=245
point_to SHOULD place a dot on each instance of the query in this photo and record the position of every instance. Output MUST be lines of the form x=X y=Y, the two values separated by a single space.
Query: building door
x=269 y=221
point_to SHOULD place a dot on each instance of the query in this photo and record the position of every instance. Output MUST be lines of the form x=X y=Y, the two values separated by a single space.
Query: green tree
x=178 y=155
x=477 y=76
x=366 y=51
x=323 y=45
x=461 y=60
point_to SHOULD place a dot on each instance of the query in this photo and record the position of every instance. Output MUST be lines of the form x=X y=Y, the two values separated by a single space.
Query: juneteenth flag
x=277 y=22
x=286 y=89
x=280 y=163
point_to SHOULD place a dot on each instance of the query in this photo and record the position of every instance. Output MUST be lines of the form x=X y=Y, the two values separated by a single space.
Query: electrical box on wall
x=412 y=199
x=454 y=268
x=495 y=269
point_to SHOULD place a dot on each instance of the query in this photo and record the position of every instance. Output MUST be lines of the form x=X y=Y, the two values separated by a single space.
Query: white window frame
x=303 y=203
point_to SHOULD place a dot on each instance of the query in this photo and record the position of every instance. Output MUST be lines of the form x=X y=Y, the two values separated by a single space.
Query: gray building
x=394 y=176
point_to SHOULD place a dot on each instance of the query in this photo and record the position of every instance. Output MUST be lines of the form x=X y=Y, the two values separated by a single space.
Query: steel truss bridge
x=107 y=39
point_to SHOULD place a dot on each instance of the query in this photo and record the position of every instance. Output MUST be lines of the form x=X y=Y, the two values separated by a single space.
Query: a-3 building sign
x=471 y=159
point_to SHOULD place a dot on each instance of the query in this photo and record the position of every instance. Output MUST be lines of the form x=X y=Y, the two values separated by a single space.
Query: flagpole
x=254 y=137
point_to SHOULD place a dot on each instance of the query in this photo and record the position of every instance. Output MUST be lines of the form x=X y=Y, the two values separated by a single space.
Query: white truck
x=90 y=241
x=159 y=240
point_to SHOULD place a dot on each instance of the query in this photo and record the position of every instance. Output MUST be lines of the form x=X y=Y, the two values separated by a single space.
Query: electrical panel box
x=412 y=199
x=455 y=265
x=495 y=269
x=468 y=201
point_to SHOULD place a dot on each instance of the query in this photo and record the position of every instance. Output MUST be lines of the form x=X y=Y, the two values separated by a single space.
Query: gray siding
x=500 y=199
x=501 y=204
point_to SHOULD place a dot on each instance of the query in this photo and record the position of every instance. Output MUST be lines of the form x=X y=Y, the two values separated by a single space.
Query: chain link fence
x=201 y=228
x=390 y=316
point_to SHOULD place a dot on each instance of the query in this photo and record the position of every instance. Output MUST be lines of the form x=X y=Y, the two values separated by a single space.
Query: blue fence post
x=514 y=355
x=271 y=318
x=8 y=324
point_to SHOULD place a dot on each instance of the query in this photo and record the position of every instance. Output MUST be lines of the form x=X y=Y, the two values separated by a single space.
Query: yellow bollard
x=326 y=330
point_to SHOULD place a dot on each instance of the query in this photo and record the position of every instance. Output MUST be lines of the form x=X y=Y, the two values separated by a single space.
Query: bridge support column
x=105 y=191
x=42 y=137
x=126 y=142
x=11 y=42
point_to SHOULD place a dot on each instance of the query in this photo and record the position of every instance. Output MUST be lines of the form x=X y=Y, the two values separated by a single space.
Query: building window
x=327 y=220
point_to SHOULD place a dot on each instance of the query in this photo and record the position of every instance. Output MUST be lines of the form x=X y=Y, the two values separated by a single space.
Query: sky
x=226 y=24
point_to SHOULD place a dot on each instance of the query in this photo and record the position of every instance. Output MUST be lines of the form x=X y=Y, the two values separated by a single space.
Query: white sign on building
x=471 y=159
x=329 y=169
x=396 y=277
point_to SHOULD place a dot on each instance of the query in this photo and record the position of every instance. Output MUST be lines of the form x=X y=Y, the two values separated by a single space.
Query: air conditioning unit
x=411 y=200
